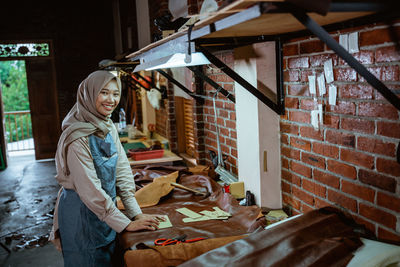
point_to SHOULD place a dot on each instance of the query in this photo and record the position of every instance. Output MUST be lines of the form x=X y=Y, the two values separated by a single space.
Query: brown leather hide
x=322 y=237
x=244 y=219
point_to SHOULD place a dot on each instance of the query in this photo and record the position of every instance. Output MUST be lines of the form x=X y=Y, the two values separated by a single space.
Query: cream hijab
x=83 y=119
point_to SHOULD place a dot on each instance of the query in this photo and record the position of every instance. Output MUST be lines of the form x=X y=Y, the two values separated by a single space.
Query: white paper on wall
x=344 y=41
x=311 y=84
x=320 y=114
x=332 y=94
x=328 y=70
x=353 y=42
x=321 y=85
x=314 y=119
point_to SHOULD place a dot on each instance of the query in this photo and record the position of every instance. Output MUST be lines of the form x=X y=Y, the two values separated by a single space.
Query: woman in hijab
x=92 y=169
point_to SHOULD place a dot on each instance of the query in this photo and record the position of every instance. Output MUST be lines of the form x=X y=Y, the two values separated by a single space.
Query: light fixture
x=174 y=61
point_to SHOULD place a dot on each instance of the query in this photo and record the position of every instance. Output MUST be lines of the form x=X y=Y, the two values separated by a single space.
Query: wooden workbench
x=168 y=158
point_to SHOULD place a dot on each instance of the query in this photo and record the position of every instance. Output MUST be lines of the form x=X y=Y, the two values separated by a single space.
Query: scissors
x=176 y=240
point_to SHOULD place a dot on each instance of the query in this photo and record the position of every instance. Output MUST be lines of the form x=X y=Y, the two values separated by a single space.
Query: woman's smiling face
x=108 y=98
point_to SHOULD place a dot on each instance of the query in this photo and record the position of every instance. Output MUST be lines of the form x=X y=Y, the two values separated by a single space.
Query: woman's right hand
x=143 y=224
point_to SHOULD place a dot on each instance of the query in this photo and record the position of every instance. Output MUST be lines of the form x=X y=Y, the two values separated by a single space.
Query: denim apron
x=87 y=241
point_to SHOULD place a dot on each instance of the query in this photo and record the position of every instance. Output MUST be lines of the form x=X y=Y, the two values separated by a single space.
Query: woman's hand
x=145 y=222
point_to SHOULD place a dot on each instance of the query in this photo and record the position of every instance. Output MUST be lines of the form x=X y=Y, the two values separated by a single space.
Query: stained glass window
x=25 y=50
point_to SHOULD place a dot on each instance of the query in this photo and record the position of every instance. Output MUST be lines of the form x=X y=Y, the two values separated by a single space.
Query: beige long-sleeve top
x=84 y=181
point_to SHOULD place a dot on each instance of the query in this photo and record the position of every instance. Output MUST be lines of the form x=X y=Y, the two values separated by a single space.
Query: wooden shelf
x=242 y=18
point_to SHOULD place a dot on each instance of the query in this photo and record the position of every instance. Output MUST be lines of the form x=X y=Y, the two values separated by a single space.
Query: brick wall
x=350 y=161
x=226 y=116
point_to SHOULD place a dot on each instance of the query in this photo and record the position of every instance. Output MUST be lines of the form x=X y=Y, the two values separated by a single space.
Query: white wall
x=257 y=128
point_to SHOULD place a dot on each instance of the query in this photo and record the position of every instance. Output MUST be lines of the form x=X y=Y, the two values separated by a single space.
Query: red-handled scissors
x=176 y=240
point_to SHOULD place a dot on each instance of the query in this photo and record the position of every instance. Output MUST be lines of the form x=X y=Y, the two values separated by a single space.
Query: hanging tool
x=204 y=194
x=225 y=175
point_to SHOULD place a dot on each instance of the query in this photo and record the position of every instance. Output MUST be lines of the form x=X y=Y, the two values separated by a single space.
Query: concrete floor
x=28 y=191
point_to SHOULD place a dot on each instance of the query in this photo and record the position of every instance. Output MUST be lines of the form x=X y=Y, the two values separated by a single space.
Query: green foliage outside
x=15 y=98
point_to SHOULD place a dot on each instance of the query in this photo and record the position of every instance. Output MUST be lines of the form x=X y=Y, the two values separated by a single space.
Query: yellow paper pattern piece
x=222 y=212
x=165 y=224
x=189 y=213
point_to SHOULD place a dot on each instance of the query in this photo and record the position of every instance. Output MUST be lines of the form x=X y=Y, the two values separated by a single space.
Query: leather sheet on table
x=173 y=255
x=324 y=237
x=245 y=219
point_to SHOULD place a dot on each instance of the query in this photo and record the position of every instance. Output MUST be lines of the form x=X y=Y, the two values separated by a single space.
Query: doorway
x=40 y=98
x=15 y=101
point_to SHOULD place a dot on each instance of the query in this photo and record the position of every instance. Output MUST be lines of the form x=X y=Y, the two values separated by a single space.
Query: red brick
x=284 y=139
x=331 y=121
x=355 y=91
x=365 y=57
x=306 y=208
x=376 y=146
x=311 y=47
x=320 y=203
x=342 y=107
x=308 y=104
x=358 y=191
x=231 y=142
x=300 y=143
x=229 y=87
x=223 y=113
x=298 y=90
x=289 y=200
x=314 y=188
x=227 y=105
x=345 y=75
x=390 y=73
x=309 y=132
x=303 y=195
x=377 y=36
x=233 y=134
x=291 y=76
x=377 y=180
x=390 y=129
x=234 y=152
x=342 y=169
x=285 y=163
x=387 y=54
x=298 y=63
x=291 y=177
x=377 y=110
x=391 y=167
x=358 y=158
x=391 y=202
x=291 y=102
x=385 y=235
x=313 y=160
x=378 y=215
x=305 y=73
x=376 y=71
x=230 y=124
x=318 y=60
x=342 y=200
x=290 y=153
x=289 y=128
x=340 y=138
x=287 y=188
x=326 y=178
x=290 y=50
x=300 y=169
x=358 y=125
x=325 y=150
x=299 y=116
